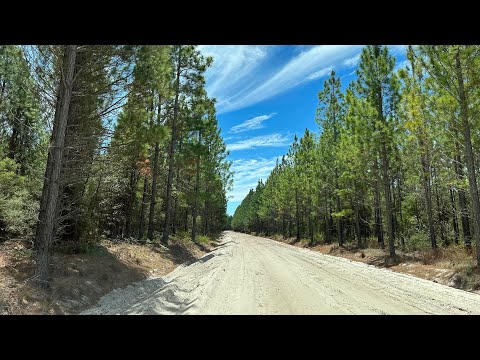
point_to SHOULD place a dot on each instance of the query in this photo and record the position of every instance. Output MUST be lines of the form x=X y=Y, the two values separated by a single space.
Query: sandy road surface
x=252 y=275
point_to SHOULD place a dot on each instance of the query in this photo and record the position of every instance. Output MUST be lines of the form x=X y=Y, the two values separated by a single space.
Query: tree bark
x=425 y=160
x=141 y=230
x=378 y=207
x=297 y=215
x=153 y=196
x=462 y=202
x=454 y=217
x=166 y=228
x=469 y=156
x=51 y=186
x=439 y=213
x=130 y=200
x=357 y=224
x=388 y=200
x=197 y=187
x=327 y=220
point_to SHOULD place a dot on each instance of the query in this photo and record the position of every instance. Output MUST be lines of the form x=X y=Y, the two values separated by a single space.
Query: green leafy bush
x=18 y=211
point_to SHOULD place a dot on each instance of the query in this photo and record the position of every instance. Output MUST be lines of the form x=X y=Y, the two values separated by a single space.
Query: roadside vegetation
x=394 y=165
x=105 y=145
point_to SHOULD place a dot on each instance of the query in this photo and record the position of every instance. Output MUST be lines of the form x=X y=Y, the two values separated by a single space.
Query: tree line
x=395 y=163
x=115 y=141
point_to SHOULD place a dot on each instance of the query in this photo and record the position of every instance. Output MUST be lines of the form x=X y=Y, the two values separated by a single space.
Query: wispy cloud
x=272 y=140
x=247 y=172
x=252 y=124
x=243 y=75
x=320 y=73
x=353 y=61
x=232 y=69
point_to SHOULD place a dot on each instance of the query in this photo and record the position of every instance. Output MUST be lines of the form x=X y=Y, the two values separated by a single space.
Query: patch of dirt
x=79 y=280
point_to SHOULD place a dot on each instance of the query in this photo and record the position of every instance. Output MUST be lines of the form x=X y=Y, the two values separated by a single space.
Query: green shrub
x=202 y=239
x=417 y=241
x=18 y=209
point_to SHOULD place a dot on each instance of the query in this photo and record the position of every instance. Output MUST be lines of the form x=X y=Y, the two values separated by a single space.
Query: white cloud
x=272 y=140
x=233 y=66
x=353 y=61
x=251 y=124
x=242 y=75
x=247 y=172
x=294 y=73
x=319 y=74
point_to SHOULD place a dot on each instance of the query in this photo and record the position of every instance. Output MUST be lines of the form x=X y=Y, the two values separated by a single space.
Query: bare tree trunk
x=386 y=184
x=378 y=207
x=153 y=196
x=166 y=228
x=469 y=156
x=297 y=215
x=141 y=230
x=50 y=194
x=388 y=200
x=462 y=202
x=357 y=223
x=310 y=224
x=400 y=212
x=205 y=211
x=130 y=201
x=197 y=187
x=439 y=212
x=425 y=160
x=339 y=208
x=328 y=239
x=454 y=216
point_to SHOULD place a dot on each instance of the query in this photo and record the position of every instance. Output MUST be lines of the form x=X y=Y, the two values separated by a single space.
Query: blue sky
x=268 y=93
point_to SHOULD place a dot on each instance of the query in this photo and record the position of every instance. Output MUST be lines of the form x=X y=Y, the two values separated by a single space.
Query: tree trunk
x=141 y=230
x=387 y=194
x=462 y=202
x=327 y=220
x=454 y=216
x=297 y=214
x=357 y=224
x=205 y=212
x=310 y=226
x=439 y=212
x=339 y=208
x=469 y=157
x=197 y=187
x=166 y=228
x=130 y=201
x=50 y=193
x=425 y=160
x=378 y=207
x=400 y=212
x=153 y=196
x=289 y=227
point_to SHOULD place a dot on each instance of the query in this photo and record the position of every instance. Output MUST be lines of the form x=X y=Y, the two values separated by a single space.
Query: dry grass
x=453 y=266
x=78 y=280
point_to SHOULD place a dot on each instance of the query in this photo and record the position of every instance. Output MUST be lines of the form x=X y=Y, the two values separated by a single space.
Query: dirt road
x=252 y=275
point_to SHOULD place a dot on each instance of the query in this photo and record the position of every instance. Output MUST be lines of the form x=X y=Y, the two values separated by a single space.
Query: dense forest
x=395 y=163
x=108 y=141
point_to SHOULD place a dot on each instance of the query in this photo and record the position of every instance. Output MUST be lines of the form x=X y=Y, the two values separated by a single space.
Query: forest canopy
x=394 y=163
x=108 y=141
